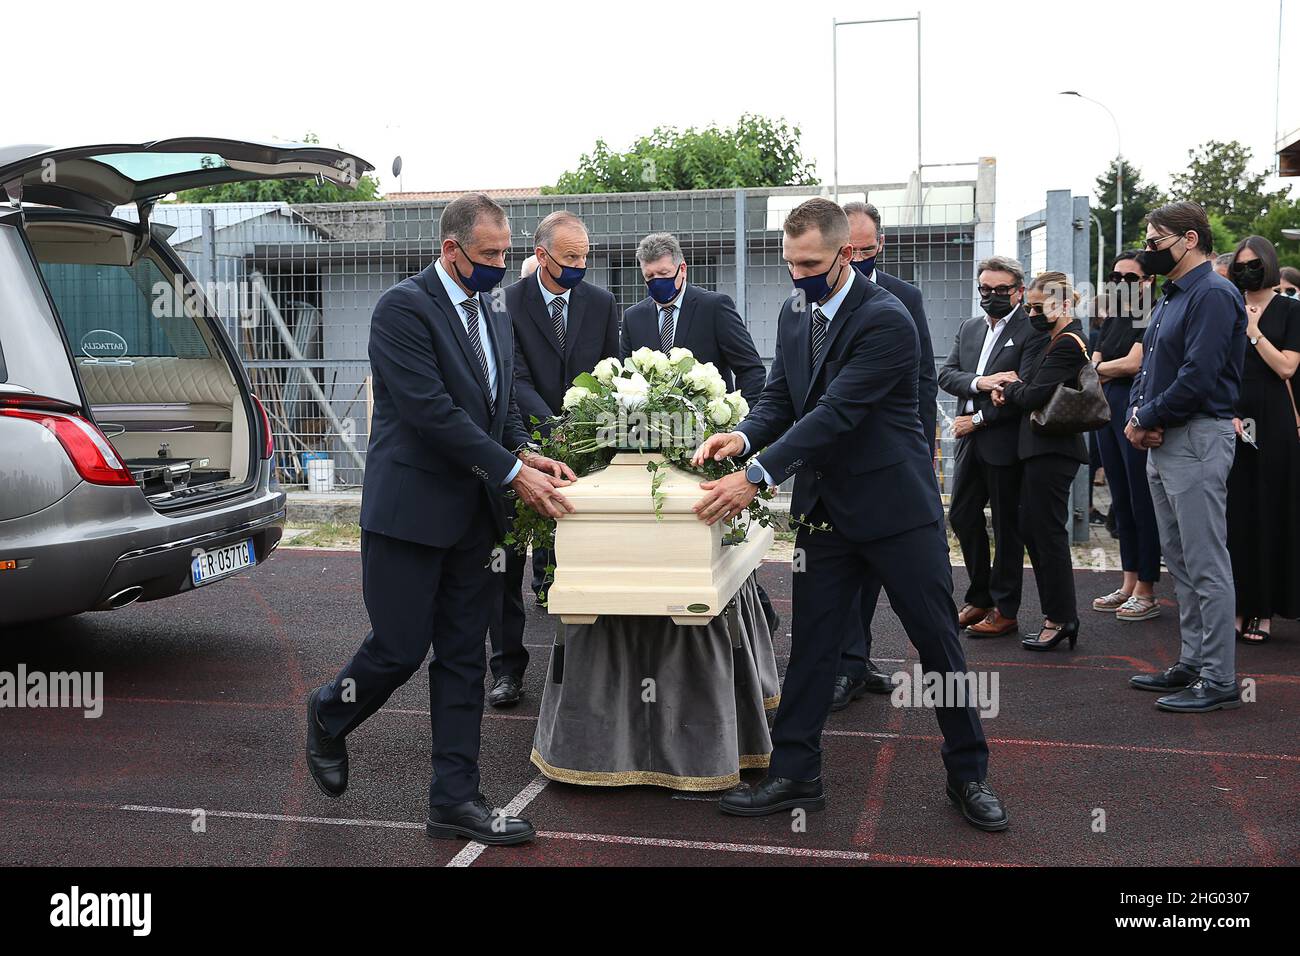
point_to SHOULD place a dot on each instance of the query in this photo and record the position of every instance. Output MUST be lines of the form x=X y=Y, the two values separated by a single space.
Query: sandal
x=1111 y=602
x=1254 y=634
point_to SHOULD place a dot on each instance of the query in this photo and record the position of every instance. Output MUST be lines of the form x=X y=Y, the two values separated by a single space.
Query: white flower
x=677 y=354
x=704 y=377
x=632 y=392
x=606 y=369
x=649 y=361
x=720 y=411
x=738 y=404
x=574 y=395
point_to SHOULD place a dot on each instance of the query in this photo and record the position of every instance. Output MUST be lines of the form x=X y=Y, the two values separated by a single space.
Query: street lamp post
x=1119 y=169
x=835 y=92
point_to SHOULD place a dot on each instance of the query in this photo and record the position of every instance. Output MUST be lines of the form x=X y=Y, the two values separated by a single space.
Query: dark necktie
x=476 y=342
x=557 y=317
x=666 y=328
x=819 y=323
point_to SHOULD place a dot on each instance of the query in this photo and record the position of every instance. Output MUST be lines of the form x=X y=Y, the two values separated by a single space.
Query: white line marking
x=473 y=849
x=280 y=817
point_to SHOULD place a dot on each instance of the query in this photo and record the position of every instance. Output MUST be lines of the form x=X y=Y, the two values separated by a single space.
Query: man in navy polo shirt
x=1181 y=408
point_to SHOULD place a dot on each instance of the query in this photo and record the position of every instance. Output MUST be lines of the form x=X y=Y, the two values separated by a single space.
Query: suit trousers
x=914 y=569
x=1044 y=513
x=975 y=484
x=509 y=656
x=857 y=630
x=420 y=597
x=1189 y=488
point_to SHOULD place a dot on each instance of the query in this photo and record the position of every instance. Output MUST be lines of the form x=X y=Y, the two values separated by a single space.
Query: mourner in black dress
x=1050 y=461
x=1264 y=484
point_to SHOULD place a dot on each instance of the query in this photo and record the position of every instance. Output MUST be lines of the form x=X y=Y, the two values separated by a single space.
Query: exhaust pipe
x=122 y=598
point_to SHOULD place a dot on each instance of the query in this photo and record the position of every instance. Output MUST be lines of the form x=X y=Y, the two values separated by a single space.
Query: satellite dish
x=397 y=165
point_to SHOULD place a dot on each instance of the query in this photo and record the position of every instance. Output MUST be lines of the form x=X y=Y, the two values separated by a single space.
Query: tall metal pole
x=1119 y=168
x=835 y=92
x=835 y=108
x=918 y=103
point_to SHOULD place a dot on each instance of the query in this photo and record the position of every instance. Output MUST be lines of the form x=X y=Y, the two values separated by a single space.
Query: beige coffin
x=613 y=556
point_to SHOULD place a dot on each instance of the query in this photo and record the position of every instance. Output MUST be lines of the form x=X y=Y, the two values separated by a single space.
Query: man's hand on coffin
x=726 y=498
x=719 y=446
x=539 y=491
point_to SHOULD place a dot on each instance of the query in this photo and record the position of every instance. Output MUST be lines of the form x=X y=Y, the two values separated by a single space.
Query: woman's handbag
x=1072 y=410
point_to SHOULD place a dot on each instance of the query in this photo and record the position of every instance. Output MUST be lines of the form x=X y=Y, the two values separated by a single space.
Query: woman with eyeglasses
x=1050 y=461
x=1264 y=484
x=1128 y=295
x=1290 y=284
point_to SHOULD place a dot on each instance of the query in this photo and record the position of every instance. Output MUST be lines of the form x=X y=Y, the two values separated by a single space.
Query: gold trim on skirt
x=771 y=703
x=651 y=778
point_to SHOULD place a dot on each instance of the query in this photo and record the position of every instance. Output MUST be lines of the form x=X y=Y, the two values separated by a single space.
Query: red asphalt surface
x=204 y=708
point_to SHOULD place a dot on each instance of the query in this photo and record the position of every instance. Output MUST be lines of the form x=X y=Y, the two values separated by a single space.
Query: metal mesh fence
x=296 y=285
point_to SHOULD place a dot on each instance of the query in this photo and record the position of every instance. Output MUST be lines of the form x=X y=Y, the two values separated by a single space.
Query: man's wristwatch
x=1254 y=339
x=530 y=447
x=977 y=419
x=1133 y=422
x=754 y=474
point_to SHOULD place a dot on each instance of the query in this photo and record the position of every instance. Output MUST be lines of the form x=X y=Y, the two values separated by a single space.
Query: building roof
x=511 y=192
x=1288 y=154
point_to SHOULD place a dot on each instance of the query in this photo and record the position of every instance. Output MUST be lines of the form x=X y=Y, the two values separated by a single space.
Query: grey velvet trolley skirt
x=641 y=701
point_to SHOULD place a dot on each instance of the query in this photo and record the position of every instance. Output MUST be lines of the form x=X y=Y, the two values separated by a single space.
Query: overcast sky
x=511 y=93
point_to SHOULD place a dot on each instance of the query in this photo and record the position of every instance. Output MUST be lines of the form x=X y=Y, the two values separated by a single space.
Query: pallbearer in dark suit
x=987 y=469
x=446 y=441
x=678 y=314
x=857 y=672
x=563 y=326
x=839 y=414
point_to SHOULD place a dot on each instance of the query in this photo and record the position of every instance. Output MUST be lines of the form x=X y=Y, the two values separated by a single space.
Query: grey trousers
x=1188 y=474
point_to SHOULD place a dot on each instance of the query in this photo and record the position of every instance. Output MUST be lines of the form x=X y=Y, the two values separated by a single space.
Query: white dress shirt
x=829 y=308
x=548 y=297
x=458 y=296
x=990 y=337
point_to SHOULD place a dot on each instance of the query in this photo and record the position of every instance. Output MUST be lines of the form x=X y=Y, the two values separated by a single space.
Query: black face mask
x=997 y=305
x=1248 y=276
x=1159 y=262
x=1041 y=322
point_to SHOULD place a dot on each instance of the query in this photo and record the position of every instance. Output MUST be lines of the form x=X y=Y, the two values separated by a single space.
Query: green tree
x=1218 y=177
x=1140 y=198
x=1281 y=214
x=757 y=151
x=285 y=190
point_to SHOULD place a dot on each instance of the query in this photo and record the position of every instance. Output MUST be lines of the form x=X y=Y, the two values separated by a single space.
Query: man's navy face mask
x=815 y=288
x=569 y=275
x=663 y=289
x=482 y=278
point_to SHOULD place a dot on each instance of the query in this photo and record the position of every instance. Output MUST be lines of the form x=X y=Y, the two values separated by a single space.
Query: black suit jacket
x=542 y=374
x=435 y=450
x=848 y=429
x=1060 y=361
x=928 y=382
x=711 y=328
x=996 y=439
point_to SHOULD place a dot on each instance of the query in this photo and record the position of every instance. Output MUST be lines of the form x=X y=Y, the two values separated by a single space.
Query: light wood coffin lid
x=614 y=557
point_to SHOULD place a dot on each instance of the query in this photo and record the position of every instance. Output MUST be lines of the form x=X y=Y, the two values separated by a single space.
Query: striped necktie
x=475 y=340
x=819 y=323
x=557 y=317
x=667 y=328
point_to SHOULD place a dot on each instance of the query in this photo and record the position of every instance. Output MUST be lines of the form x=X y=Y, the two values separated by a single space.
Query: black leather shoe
x=475 y=820
x=1200 y=698
x=847 y=690
x=877 y=681
x=505 y=692
x=772 y=795
x=979 y=805
x=327 y=758
x=1174 y=678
